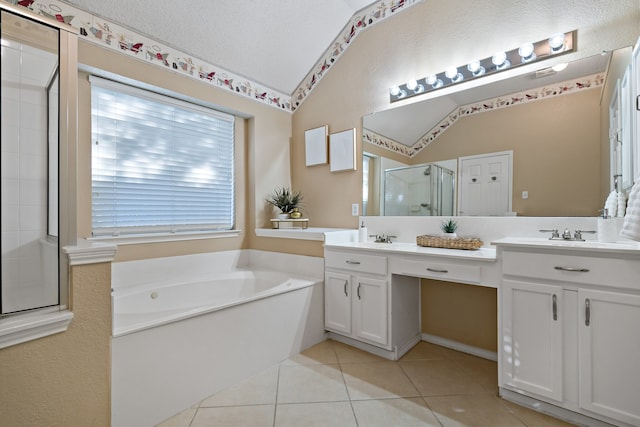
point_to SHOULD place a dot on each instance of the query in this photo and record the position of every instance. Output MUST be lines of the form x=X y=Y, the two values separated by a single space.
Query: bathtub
x=185 y=328
x=158 y=304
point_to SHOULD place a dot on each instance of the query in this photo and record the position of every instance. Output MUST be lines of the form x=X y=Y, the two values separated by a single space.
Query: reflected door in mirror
x=485 y=185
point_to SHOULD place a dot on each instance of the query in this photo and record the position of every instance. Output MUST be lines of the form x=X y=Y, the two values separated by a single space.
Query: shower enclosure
x=422 y=190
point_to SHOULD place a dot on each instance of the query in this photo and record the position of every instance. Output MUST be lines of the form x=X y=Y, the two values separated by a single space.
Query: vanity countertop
x=626 y=247
x=482 y=254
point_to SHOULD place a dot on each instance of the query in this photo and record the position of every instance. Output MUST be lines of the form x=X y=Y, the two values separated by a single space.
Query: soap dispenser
x=607 y=228
x=362 y=233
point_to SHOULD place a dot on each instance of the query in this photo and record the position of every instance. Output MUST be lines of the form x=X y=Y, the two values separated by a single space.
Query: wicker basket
x=467 y=243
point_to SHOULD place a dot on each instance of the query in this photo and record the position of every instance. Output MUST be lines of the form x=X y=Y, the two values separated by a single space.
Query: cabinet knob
x=353 y=262
x=555 y=307
x=346 y=282
x=436 y=270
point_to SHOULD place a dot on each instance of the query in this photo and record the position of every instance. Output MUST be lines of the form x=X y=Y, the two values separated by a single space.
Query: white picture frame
x=315 y=146
x=342 y=150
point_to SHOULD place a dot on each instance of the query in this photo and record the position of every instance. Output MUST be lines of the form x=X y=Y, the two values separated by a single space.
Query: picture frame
x=315 y=145
x=342 y=150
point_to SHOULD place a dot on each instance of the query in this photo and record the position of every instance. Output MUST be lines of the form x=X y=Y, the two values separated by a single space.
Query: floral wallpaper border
x=123 y=40
x=371 y=15
x=563 y=88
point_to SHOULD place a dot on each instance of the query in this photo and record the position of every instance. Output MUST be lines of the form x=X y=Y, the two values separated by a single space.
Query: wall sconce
x=557 y=44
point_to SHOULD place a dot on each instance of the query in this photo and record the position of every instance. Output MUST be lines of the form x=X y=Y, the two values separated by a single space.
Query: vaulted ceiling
x=275 y=43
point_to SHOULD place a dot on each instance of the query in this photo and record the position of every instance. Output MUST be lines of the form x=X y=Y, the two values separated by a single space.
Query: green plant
x=449 y=226
x=285 y=199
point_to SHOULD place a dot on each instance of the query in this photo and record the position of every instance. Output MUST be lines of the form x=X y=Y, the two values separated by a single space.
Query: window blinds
x=159 y=165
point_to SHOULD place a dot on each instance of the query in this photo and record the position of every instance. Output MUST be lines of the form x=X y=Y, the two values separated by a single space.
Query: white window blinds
x=158 y=164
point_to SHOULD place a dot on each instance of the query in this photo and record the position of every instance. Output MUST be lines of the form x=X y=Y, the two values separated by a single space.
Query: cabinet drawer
x=362 y=263
x=440 y=270
x=621 y=273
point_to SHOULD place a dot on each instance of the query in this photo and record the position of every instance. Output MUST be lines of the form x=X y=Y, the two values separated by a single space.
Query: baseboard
x=465 y=348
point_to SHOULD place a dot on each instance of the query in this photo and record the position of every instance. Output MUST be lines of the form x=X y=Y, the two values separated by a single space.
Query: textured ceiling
x=275 y=43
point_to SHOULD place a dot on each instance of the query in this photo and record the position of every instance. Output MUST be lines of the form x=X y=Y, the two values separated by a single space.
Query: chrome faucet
x=381 y=238
x=566 y=234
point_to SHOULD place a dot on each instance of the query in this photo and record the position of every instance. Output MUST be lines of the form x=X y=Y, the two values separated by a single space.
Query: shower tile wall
x=24 y=179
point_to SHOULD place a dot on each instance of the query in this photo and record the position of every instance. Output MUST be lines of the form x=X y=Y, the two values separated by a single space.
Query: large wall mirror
x=555 y=137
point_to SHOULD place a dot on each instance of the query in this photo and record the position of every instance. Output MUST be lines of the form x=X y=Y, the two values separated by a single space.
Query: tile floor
x=332 y=384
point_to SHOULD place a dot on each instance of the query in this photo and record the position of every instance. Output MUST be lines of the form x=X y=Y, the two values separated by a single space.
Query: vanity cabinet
x=356 y=306
x=532 y=335
x=568 y=330
x=364 y=309
x=610 y=354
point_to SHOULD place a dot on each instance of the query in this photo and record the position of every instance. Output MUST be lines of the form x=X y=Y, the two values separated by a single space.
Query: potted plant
x=285 y=199
x=449 y=228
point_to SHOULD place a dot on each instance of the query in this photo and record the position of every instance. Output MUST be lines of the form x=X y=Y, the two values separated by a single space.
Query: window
x=159 y=164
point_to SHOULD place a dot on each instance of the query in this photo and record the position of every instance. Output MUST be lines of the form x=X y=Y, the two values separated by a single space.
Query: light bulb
x=431 y=79
x=395 y=91
x=500 y=60
x=412 y=84
x=453 y=74
x=527 y=52
x=556 y=43
x=475 y=68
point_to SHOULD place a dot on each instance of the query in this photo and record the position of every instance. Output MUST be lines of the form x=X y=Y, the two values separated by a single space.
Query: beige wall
x=64 y=379
x=463 y=313
x=556 y=151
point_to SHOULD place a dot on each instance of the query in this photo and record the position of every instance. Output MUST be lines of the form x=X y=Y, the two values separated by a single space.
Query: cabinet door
x=532 y=338
x=370 y=309
x=610 y=354
x=337 y=302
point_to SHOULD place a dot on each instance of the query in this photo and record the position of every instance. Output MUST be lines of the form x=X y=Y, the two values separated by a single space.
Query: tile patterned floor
x=332 y=384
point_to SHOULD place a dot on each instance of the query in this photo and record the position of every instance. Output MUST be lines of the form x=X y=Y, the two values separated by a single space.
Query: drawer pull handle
x=353 y=262
x=576 y=269
x=587 y=312
x=555 y=307
x=358 y=291
x=345 y=288
x=436 y=270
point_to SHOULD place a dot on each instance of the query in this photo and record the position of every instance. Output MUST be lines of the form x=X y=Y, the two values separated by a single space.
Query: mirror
x=550 y=121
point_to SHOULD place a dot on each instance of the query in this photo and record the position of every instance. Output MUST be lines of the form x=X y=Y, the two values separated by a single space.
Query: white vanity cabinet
x=569 y=320
x=364 y=310
x=532 y=338
x=356 y=306
x=610 y=354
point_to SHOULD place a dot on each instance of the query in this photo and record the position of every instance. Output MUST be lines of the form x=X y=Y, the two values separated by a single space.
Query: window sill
x=164 y=237
x=27 y=327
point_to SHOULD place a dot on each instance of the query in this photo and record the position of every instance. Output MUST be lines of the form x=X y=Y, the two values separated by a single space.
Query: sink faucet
x=381 y=238
x=566 y=234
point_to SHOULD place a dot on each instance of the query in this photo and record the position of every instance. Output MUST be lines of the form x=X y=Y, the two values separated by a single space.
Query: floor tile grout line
x=275 y=405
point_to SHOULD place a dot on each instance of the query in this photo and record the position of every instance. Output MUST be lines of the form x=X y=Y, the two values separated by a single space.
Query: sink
x=570 y=244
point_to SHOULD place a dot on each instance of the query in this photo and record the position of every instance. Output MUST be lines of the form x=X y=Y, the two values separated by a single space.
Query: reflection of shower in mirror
x=421 y=190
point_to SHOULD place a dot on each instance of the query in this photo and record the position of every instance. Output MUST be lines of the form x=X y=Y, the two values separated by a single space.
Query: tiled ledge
x=315 y=233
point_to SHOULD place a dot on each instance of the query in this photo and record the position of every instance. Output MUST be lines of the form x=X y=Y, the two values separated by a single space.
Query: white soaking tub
x=187 y=327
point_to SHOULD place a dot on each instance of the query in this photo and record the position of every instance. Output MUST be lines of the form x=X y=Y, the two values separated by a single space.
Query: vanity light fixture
x=557 y=44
